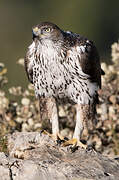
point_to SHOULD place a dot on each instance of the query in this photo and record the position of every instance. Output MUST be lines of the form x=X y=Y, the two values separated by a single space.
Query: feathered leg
x=53 y=115
x=82 y=118
x=83 y=121
x=80 y=123
x=48 y=110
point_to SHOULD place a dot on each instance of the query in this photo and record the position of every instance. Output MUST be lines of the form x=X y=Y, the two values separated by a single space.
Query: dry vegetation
x=24 y=115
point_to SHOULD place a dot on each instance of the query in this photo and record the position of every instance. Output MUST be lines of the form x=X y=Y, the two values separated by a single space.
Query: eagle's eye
x=47 y=29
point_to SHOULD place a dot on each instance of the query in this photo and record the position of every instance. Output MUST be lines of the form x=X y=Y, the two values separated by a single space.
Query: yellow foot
x=75 y=143
x=56 y=137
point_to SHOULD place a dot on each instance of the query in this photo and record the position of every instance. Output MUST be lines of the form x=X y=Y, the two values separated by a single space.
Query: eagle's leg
x=81 y=121
x=53 y=116
x=48 y=110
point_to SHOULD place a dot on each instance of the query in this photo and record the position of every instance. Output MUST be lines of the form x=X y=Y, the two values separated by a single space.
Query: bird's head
x=47 y=31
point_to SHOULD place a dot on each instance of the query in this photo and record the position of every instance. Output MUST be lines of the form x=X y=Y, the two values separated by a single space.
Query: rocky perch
x=35 y=156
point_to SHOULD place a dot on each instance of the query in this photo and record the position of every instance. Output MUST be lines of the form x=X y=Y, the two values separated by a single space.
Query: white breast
x=55 y=74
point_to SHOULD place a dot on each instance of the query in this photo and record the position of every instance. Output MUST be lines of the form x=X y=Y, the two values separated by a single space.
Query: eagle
x=64 y=67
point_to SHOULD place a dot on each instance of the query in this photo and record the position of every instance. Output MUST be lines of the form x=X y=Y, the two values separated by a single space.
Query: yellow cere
x=35 y=29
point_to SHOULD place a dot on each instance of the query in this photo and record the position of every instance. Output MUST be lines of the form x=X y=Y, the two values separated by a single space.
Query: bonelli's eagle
x=64 y=67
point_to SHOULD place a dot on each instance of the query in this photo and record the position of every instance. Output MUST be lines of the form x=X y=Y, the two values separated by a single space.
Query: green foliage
x=3 y=144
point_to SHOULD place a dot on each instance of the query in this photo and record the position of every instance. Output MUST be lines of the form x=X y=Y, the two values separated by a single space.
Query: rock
x=4 y=169
x=25 y=127
x=112 y=99
x=37 y=126
x=25 y=101
x=111 y=111
x=19 y=120
x=3 y=102
x=30 y=122
x=4 y=173
x=35 y=156
x=117 y=128
x=21 y=61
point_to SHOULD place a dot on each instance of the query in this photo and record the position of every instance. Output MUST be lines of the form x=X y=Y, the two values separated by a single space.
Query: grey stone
x=35 y=156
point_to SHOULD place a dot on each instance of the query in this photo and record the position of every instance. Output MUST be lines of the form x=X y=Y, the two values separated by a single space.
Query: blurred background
x=95 y=19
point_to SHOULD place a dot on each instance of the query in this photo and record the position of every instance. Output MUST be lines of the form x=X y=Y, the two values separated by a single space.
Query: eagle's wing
x=29 y=61
x=89 y=60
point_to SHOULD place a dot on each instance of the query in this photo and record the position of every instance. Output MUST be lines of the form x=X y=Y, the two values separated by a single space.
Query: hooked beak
x=36 y=32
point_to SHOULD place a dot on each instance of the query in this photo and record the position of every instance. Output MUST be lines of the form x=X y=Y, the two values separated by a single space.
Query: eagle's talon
x=74 y=148
x=89 y=148
x=75 y=143
x=60 y=141
x=45 y=132
x=56 y=137
x=53 y=136
x=42 y=131
x=66 y=139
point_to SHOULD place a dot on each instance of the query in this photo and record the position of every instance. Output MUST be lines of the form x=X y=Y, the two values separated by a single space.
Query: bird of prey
x=64 y=67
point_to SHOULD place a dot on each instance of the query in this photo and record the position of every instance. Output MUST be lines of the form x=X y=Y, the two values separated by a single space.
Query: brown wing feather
x=28 y=67
x=90 y=62
x=89 y=59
